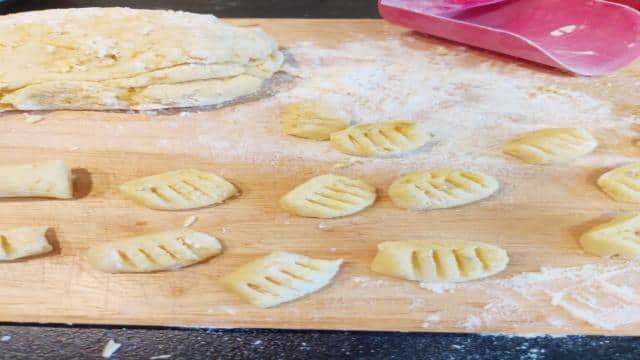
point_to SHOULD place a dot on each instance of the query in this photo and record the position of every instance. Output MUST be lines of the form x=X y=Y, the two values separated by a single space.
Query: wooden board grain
x=109 y=148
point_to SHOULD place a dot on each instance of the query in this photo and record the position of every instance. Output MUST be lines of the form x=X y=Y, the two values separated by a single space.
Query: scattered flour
x=438 y=288
x=229 y=310
x=32 y=119
x=606 y=296
x=5 y=338
x=367 y=282
x=190 y=221
x=110 y=348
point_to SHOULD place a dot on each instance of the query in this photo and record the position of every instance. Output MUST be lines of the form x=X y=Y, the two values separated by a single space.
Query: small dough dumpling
x=618 y=237
x=179 y=190
x=441 y=188
x=380 y=139
x=551 y=145
x=329 y=196
x=439 y=260
x=168 y=250
x=23 y=242
x=50 y=179
x=622 y=184
x=280 y=277
x=313 y=120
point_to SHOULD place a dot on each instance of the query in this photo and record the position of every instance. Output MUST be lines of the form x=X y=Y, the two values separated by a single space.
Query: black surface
x=86 y=342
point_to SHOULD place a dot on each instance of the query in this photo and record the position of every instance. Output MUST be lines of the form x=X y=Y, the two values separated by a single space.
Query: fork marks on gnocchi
x=329 y=196
x=179 y=190
x=439 y=260
x=280 y=277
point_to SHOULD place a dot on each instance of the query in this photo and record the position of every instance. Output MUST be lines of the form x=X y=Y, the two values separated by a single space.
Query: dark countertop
x=86 y=342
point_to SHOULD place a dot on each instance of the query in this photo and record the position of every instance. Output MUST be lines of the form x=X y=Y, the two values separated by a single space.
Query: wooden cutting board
x=538 y=225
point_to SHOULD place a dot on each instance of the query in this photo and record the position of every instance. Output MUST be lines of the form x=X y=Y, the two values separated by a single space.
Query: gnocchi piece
x=280 y=277
x=441 y=188
x=439 y=260
x=380 y=139
x=160 y=251
x=51 y=179
x=313 y=120
x=179 y=190
x=552 y=145
x=618 y=237
x=622 y=184
x=329 y=196
x=23 y=242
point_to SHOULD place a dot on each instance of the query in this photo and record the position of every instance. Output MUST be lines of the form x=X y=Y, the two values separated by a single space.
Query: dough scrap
x=160 y=251
x=313 y=120
x=23 y=242
x=380 y=139
x=179 y=190
x=121 y=58
x=441 y=188
x=329 y=196
x=618 y=237
x=551 y=145
x=280 y=277
x=51 y=179
x=622 y=184
x=439 y=260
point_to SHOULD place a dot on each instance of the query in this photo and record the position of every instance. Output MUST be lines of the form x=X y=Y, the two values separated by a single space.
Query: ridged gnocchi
x=380 y=139
x=280 y=277
x=329 y=196
x=51 y=179
x=551 y=145
x=23 y=242
x=439 y=260
x=313 y=120
x=160 y=251
x=622 y=184
x=441 y=188
x=618 y=237
x=179 y=190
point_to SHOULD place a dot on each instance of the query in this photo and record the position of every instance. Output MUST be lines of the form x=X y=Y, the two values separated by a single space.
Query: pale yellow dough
x=51 y=179
x=552 y=145
x=329 y=196
x=618 y=237
x=441 y=188
x=121 y=58
x=380 y=139
x=622 y=184
x=160 y=251
x=439 y=260
x=179 y=190
x=23 y=242
x=313 y=120
x=280 y=277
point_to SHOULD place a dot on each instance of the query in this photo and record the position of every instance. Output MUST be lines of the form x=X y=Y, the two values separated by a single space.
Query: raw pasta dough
x=618 y=237
x=553 y=145
x=439 y=260
x=441 y=188
x=120 y=58
x=622 y=184
x=280 y=277
x=23 y=242
x=47 y=179
x=329 y=196
x=380 y=139
x=179 y=190
x=154 y=252
x=313 y=120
